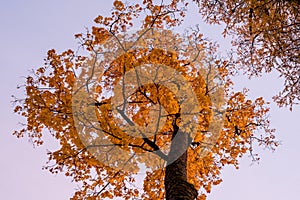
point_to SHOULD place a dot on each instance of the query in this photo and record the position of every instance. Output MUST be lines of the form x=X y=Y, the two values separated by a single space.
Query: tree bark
x=176 y=185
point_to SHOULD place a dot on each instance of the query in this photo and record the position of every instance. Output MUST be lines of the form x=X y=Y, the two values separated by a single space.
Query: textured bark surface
x=176 y=185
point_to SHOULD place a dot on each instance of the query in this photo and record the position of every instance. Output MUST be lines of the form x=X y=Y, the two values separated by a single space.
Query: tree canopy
x=159 y=102
x=266 y=35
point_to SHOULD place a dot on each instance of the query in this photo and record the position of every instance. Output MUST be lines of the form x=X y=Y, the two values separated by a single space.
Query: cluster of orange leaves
x=266 y=36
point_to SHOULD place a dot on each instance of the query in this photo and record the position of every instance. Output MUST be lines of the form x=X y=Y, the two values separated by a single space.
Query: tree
x=151 y=100
x=266 y=35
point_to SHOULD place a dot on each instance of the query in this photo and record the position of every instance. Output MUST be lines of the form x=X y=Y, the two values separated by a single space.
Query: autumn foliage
x=153 y=102
x=266 y=35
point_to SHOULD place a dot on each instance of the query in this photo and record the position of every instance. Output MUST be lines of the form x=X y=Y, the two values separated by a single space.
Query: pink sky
x=29 y=28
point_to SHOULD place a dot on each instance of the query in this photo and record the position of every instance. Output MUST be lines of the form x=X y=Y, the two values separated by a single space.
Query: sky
x=30 y=28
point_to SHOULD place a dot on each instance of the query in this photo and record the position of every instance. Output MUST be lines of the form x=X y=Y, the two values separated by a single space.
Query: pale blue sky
x=29 y=28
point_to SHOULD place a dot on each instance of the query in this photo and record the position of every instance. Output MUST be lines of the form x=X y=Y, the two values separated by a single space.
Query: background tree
x=266 y=35
x=49 y=104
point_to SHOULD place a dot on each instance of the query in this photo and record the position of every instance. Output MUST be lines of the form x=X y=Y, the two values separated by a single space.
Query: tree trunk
x=176 y=185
